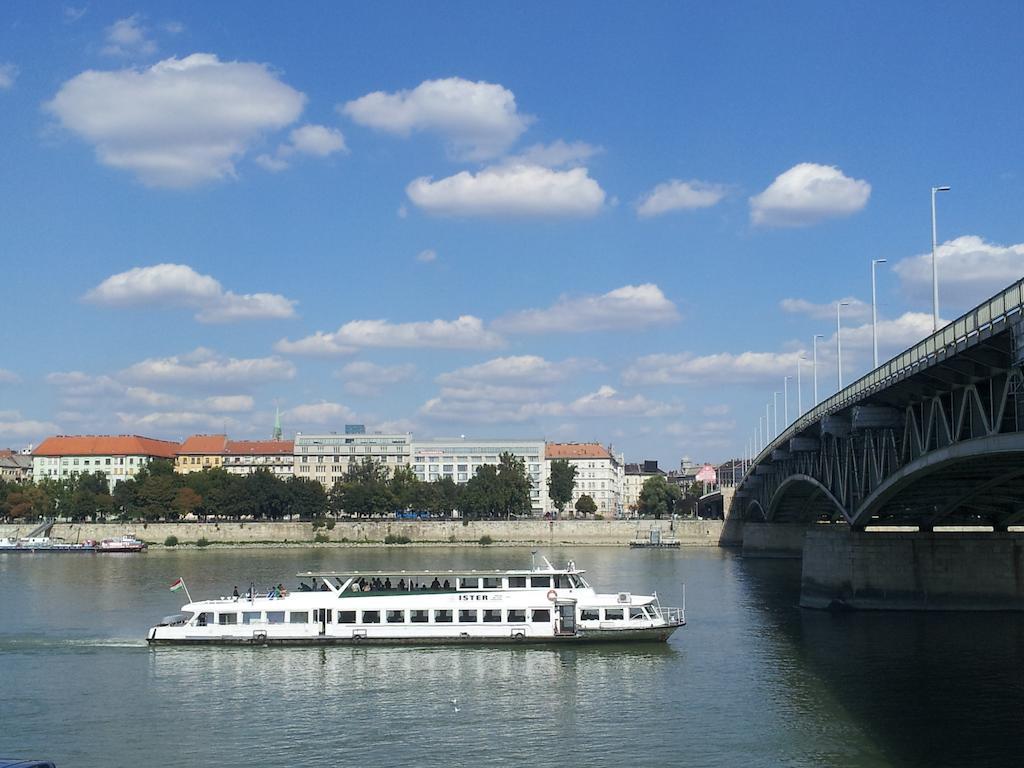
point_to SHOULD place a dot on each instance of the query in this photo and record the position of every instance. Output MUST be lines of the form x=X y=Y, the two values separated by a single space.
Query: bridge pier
x=773 y=540
x=923 y=571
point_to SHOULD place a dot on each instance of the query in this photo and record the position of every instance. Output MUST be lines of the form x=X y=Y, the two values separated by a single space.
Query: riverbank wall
x=690 y=533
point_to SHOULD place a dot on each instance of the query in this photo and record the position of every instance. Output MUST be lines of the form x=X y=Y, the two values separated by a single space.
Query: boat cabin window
x=298 y=617
x=590 y=614
x=251 y=617
x=227 y=618
x=492 y=615
x=346 y=617
x=492 y=582
x=203 y=619
x=516 y=582
x=371 y=617
x=541 y=614
x=275 y=617
x=637 y=612
x=540 y=581
x=467 y=617
x=419 y=616
x=517 y=616
x=396 y=617
x=442 y=617
x=613 y=614
x=469 y=583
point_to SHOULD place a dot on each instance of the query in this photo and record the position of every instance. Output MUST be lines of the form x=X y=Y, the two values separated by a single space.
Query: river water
x=751 y=681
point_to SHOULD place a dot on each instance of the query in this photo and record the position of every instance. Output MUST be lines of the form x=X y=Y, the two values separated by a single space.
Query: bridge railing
x=963 y=333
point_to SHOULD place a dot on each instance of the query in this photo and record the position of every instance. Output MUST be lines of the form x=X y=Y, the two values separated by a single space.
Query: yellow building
x=201 y=452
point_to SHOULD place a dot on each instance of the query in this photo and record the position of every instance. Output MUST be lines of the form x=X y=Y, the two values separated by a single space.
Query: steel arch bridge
x=934 y=436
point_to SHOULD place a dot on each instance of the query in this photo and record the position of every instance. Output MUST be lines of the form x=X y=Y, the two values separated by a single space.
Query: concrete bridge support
x=774 y=540
x=912 y=571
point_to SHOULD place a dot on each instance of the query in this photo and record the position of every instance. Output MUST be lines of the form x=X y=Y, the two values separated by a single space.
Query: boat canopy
x=439 y=572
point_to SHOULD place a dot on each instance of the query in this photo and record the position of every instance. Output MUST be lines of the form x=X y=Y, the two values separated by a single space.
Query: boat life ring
x=552 y=595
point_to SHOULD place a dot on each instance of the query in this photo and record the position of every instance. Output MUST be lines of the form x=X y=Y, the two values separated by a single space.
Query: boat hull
x=659 y=634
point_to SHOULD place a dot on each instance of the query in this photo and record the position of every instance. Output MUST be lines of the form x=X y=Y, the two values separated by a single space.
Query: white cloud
x=73 y=14
x=721 y=368
x=466 y=332
x=367 y=379
x=557 y=154
x=627 y=308
x=532 y=369
x=128 y=37
x=855 y=310
x=486 y=411
x=676 y=195
x=720 y=409
x=426 y=256
x=176 y=423
x=319 y=413
x=510 y=190
x=14 y=428
x=479 y=120
x=8 y=74
x=180 y=122
x=178 y=285
x=229 y=403
x=313 y=140
x=806 y=194
x=77 y=384
x=970 y=271
x=8 y=377
x=607 y=401
x=204 y=368
x=150 y=397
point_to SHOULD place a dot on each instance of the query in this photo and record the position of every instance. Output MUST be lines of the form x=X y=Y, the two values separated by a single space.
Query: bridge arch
x=980 y=474
x=802 y=499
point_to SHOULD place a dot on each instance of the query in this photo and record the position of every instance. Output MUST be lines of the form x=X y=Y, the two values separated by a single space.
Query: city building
x=599 y=474
x=327 y=457
x=633 y=478
x=243 y=457
x=15 y=467
x=458 y=458
x=201 y=452
x=118 y=456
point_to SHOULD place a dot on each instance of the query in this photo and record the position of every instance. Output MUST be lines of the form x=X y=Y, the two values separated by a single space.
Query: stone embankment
x=690 y=533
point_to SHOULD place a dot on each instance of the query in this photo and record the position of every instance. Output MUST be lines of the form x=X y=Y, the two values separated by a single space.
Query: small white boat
x=537 y=605
x=126 y=543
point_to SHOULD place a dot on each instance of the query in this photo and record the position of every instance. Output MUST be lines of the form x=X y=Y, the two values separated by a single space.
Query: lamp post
x=799 y=387
x=874 y=311
x=935 y=267
x=839 y=342
x=785 y=401
x=767 y=423
x=775 y=411
x=814 y=365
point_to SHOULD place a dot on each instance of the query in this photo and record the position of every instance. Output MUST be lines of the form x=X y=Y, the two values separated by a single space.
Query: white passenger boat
x=126 y=543
x=537 y=605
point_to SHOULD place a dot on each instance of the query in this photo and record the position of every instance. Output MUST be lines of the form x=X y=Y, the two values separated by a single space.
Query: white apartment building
x=327 y=457
x=458 y=458
x=599 y=474
x=243 y=457
x=117 y=456
x=633 y=479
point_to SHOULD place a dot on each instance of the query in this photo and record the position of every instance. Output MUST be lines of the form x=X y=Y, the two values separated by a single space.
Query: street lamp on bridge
x=935 y=268
x=799 y=387
x=785 y=400
x=874 y=311
x=839 y=342
x=775 y=412
x=814 y=365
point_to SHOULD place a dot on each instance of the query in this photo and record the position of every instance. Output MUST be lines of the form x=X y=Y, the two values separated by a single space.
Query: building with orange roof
x=599 y=474
x=243 y=457
x=117 y=456
x=200 y=452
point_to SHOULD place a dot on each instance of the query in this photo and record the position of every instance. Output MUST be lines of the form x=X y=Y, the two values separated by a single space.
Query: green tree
x=306 y=498
x=186 y=502
x=561 y=483
x=586 y=505
x=481 y=497
x=658 y=497
x=513 y=486
x=404 y=485
x=363 y=492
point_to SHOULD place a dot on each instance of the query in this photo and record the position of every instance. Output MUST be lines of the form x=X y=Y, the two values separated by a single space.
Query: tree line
x=158 y=493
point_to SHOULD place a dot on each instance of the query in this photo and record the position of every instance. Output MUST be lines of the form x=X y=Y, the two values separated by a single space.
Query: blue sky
x=571 y=221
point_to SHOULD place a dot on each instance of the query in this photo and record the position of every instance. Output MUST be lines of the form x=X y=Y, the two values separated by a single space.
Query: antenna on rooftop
x=277 y=422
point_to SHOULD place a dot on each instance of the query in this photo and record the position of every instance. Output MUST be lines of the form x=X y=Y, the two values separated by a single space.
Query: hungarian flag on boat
x=179 y=584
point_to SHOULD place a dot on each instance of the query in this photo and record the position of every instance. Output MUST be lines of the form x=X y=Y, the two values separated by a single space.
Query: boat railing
x=671 y=615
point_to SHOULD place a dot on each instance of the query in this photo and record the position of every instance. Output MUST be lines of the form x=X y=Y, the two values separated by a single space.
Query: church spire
x=277 y=423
